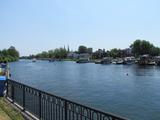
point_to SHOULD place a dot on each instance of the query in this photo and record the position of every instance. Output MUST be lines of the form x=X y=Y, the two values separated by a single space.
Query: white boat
x=34 y=60
x=152 y=63
x=129 y=60
x=119 y=61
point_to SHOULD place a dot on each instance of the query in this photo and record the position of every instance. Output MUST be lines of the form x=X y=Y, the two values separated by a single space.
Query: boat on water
x=146 y=60
x=113 y=62
x=34 y=60
x=98 y=62
x=51 y=60
x=152 y=63
x=119 y=61
x=129 y=60
x=106 y=60
x=83 y=60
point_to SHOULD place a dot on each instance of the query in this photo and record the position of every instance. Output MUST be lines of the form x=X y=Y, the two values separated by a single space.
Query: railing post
x=65 y=108
x=12 y=87
x=40 y=108
x=24 y=98
x=6 y=88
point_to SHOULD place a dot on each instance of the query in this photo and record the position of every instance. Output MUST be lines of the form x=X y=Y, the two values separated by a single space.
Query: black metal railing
x=45 y=106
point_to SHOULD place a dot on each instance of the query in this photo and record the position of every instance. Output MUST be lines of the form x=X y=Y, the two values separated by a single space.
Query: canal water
x=127 y=90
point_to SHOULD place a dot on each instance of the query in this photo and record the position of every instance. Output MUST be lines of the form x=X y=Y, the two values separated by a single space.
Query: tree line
x=9 y=55
x=137 y=48
x=59 y=53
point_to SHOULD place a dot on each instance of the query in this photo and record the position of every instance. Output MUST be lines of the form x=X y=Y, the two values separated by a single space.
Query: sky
x=33 y=26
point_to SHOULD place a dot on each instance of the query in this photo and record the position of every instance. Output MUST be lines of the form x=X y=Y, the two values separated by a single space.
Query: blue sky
x=33 y=26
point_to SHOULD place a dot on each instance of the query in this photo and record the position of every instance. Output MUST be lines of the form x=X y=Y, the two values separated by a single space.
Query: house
x=127 y=52
x=84 y=55
x=72 y=55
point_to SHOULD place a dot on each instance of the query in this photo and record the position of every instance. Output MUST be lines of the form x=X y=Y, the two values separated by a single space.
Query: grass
x=3 y=115
x=7 y=112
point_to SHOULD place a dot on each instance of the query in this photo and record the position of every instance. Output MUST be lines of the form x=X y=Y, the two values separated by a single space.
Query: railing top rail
x=64 y=99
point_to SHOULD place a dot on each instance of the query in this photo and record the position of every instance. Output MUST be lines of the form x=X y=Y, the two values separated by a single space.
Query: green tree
x=155 y=51
x=44 y=54
x=51 y=53
x=140 y=47
x=89 y=50
x=60 y=53
x=5 y=52
x=9 y=55
x=13 y=52
x=82 y=49
x=115 y=53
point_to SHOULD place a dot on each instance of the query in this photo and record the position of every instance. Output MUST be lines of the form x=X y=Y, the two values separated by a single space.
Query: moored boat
x=129 y=60
x=34 y=60
x=119 y=61
x=51 y=60
x=98 y=62
x=152 y=63
x=106 y=60
x=146 y=60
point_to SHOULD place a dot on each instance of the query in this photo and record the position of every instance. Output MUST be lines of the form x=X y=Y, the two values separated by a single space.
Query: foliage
x=89 y=50
x=82 y=49
x=58 y=53
x=138 y=47
x=115 y=53
x=141 y=47
x=9 y=55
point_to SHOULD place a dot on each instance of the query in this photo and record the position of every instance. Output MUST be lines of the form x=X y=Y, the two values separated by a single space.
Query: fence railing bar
x=60 y=104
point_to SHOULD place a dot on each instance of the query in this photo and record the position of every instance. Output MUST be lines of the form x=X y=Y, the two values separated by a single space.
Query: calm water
x=106 y=87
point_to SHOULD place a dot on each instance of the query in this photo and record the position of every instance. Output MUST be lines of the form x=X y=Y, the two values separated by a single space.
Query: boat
x=34 y=60
x=119 y=61
x=129 y=60
x=114 y=62
x=51 y=60
x=152 y=63
x=98 y=62
x=83 y=60
x=106 y=60
x=146 y=60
